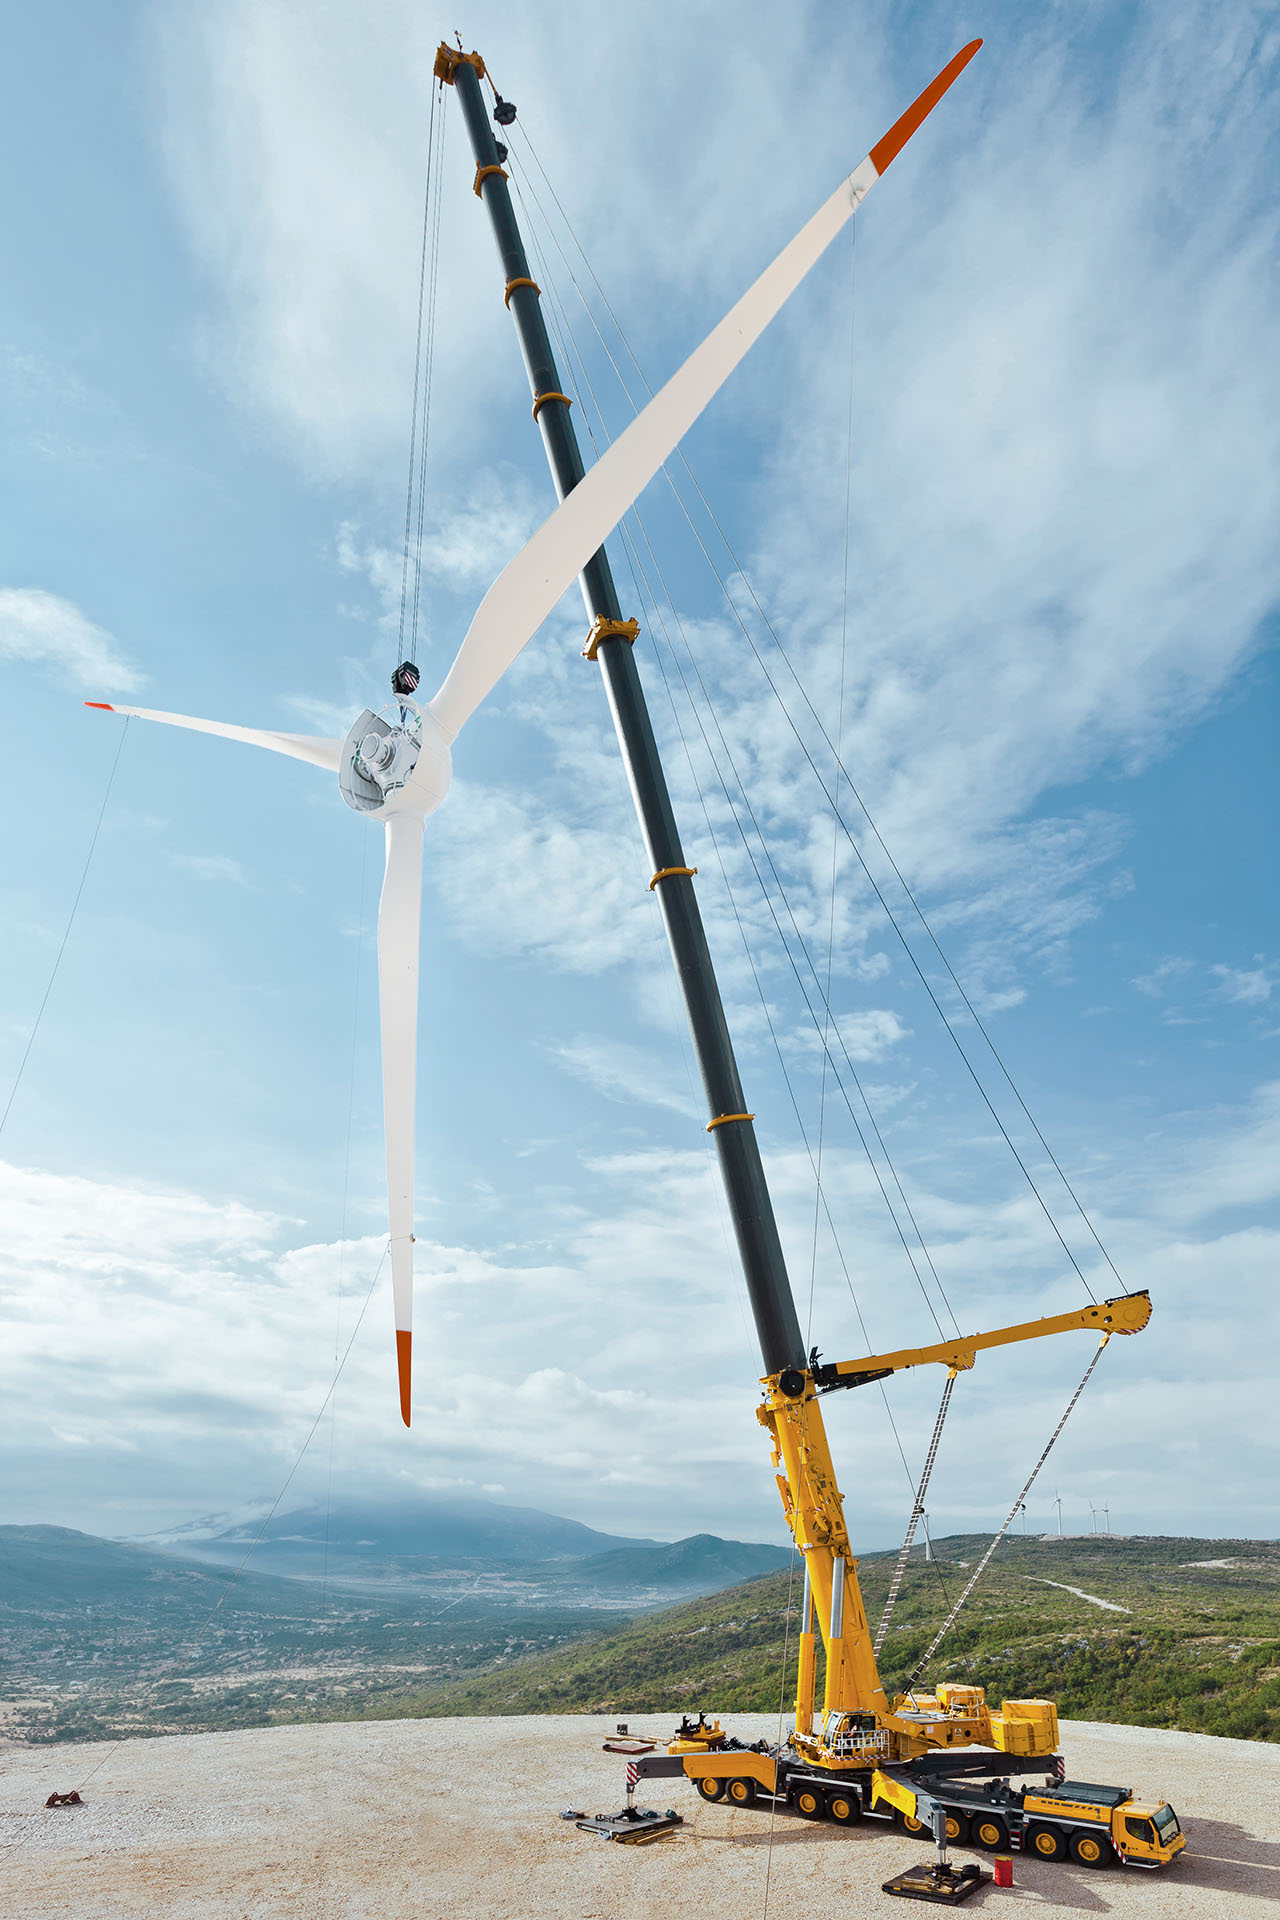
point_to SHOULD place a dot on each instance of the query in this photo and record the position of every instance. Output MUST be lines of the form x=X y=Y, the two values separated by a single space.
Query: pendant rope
x=917 y=1514
x=950 y=1620
x=423 y=368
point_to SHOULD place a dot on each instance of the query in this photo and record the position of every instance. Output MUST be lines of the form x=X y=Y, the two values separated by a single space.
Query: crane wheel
x=957 y=1829
x=1047 y=1843
x=742 y=1792
x=908 y=1822
x=709 y=1787
x=844 y=1808
x=1092 y=1849
x=808 y=1802
x=990 y=1832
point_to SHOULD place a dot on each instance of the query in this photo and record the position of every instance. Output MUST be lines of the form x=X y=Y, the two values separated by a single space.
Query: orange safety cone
x=1004 y=1870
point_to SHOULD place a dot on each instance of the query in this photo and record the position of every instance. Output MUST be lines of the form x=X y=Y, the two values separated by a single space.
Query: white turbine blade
x=398 y=930
x=528 y=588
x=298 y=746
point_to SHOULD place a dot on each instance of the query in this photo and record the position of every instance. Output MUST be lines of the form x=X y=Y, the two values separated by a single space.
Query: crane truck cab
x=1142 y=1833
x=1095 y=1825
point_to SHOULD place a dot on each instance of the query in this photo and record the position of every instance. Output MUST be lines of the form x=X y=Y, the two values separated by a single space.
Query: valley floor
x=435 y=1818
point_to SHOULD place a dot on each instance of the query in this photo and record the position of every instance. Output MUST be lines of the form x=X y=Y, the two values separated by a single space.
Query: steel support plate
x=945 y=1886
x=632 y=1824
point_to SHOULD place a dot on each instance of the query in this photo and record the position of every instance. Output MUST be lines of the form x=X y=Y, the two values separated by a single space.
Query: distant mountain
x=701 y=1564
x=429 y=1534
x=58 y=1569
x=438 y=1542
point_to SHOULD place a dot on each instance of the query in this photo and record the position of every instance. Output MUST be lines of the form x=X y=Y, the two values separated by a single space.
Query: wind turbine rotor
x=395 y=766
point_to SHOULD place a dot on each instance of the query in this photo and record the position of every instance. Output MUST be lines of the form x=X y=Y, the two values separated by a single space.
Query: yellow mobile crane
x=865 y=1753
x=905 y=1757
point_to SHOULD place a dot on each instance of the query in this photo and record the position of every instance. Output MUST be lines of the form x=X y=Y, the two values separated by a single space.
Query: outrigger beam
x=1127 y=1314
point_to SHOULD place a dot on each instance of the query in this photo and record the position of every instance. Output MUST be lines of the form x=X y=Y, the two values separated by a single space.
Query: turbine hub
x=395 y=761
x=377 y=753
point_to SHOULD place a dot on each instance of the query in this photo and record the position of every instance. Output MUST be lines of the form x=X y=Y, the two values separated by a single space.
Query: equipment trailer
x=856 y=1756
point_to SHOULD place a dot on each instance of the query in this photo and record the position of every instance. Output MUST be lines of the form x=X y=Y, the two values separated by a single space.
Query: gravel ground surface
x=434 y=1818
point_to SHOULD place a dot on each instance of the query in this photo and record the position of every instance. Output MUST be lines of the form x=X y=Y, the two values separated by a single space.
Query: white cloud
x=167 y=1355
x=1246 y=986
x=1160 y=977
x=212 y=866
x=625 y=1073
x=513 y=878
x=469 y=545
x=1065 y=487
x=42 y=627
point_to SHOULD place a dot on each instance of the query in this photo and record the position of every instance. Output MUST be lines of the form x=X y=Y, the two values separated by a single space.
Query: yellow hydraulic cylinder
x=815 y=1514
x=805 y=1673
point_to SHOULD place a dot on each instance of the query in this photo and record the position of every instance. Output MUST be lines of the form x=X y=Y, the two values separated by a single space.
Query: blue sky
x=1061 y=699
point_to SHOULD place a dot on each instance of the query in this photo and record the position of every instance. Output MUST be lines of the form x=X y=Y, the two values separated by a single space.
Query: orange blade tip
x=403 y=1343
x=918 y=112
x=101 y=705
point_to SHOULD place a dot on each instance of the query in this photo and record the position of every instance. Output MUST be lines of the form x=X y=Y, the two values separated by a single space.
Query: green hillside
x=1198 y=1647
x=98 y=1639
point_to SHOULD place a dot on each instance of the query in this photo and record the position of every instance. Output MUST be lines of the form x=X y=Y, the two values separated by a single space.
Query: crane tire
x=844 y=1807
x=957 y=1830
x=989 y=1832
x=742 y=1792
x=709 y=1786
x=808 y=1803
x=1047 y=1843
x=908 y=1823
x=1092 y=1849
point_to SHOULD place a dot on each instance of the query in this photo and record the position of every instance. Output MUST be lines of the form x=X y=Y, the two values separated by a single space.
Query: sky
x=1041 y=377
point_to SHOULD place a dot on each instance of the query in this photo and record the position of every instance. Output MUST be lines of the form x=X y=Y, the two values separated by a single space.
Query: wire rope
x=842 y=771
x=835 y=831
x=782 y=1706
x=565 y=329
x=638 y=572
x=423 y=366
x=66 y=934
x=802 y=944
x=917 y=1515
x=426 y=395
x=570 y=353
x=947 y=1624
x=417 y=369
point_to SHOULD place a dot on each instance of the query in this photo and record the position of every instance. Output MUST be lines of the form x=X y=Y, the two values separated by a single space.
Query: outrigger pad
x=632 y=1824
x=947 y=1886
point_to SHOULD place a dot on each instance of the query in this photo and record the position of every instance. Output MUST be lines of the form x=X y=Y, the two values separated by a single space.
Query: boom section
x=1129 y=1313
x=610 y=645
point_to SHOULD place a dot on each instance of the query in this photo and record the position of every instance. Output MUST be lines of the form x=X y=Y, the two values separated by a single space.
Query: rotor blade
x=298 y=746
x=398 y=930
x=528 y=588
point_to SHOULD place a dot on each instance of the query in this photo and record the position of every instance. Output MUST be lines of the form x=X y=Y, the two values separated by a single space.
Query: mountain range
x=432 y=1542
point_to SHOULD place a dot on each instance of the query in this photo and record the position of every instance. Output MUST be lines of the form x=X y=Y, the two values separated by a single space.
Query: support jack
x=632 y=1825
x=946 y=1885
